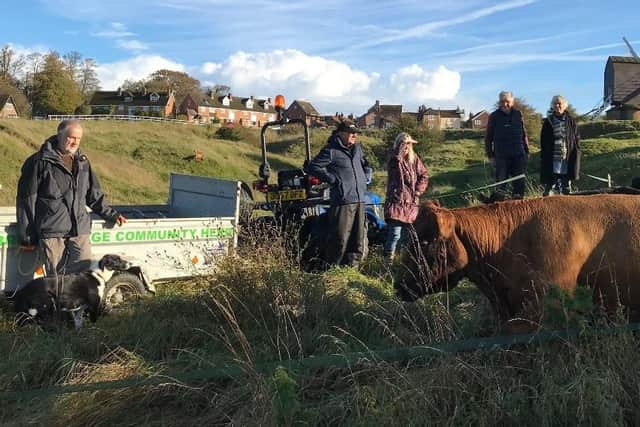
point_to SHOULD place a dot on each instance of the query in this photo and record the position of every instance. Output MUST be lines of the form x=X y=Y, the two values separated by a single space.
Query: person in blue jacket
x=342 y=164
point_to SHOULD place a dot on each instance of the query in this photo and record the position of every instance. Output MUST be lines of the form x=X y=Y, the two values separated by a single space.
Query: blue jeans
x=394 y=236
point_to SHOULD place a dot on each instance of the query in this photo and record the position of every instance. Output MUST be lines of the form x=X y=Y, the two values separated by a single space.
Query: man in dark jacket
x=506 y=144
x=343 y=166
x=55 y=188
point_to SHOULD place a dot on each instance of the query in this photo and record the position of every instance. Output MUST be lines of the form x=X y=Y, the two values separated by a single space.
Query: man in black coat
x=506 y=144
x=55 y=188
x=341 y=164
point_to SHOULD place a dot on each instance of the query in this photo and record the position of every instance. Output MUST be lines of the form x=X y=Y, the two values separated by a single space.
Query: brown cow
x=513 y=250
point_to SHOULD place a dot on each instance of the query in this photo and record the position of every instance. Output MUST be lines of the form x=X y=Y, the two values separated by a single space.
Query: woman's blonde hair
x=402 y=136
x=560 y=98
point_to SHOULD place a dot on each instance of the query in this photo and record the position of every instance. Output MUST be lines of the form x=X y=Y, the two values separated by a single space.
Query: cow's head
x=434 y=258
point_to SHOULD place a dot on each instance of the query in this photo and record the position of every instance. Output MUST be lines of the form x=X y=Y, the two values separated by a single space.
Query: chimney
x=119 y=91
x=251 y=97
x=144 y=90
x=230 y=96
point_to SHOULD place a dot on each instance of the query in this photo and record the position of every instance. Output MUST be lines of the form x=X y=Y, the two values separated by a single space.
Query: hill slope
x=133 y=160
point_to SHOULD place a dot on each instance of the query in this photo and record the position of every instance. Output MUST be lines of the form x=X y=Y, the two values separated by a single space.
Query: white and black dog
x=74 y=293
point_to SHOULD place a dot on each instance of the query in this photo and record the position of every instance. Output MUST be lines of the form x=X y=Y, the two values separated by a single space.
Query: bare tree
x=220 y=90
x=87 y=79
x=11 y=64
x=73 y=60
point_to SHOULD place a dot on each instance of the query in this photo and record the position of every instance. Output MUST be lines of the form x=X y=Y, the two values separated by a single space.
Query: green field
x=258 y=307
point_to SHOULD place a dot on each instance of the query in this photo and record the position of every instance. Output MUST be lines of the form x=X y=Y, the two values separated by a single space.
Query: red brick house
x=125 y=102
x=380 y=116
x=8 y=108
x=248 y=112
x=478 y=120
x=440 y=119
x=305 y=111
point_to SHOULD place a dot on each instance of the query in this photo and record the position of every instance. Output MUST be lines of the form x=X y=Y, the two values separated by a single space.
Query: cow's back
x=567 y=240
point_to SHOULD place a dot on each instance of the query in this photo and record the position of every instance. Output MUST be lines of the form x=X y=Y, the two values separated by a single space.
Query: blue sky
x=343 y=55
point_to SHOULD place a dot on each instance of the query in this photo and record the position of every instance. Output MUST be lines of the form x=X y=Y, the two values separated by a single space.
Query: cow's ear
x=446 y=223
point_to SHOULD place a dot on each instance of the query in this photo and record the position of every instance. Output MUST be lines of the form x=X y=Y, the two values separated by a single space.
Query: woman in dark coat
x=407 y=180
x=560 y=149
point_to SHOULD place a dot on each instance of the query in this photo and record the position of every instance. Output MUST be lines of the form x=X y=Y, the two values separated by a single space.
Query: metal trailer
x=183 y=238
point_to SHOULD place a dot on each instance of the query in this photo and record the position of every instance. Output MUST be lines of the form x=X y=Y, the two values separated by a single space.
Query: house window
x=225 y=101
x=477 y=122
x=156 y=108
x=431 y=117
x=231 y=116
x=154 y=97
x=128 y=98
x=249 y=103
x=145 y=108
x=212 y=110
x=121 y=108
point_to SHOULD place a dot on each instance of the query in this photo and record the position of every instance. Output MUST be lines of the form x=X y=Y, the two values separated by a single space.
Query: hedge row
x=606 y=127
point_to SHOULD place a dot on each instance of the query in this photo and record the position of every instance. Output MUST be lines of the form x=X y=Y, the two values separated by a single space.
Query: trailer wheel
x=123 y=287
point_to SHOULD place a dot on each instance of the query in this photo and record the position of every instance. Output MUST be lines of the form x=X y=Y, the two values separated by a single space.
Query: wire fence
x=129 y=118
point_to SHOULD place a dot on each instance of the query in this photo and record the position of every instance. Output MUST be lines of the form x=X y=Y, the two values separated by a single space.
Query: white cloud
x=134 y=45
x=209 y=68
x=116 y=30
x=293 y=72
x=417 y=84
x=330 y=85
x=113 y=74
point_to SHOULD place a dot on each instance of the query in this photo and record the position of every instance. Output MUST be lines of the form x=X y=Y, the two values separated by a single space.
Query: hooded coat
x=344 y=168
x=52 y=200
x=406 y=181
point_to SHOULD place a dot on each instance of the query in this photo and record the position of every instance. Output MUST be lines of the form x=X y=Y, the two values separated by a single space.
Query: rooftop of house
x=237 y=103
x=117 y=97
x=306 y=107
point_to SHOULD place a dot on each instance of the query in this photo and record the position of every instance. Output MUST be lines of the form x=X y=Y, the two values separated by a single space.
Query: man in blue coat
x=341 y=164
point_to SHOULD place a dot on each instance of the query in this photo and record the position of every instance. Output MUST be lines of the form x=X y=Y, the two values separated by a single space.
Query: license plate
x=286 y=195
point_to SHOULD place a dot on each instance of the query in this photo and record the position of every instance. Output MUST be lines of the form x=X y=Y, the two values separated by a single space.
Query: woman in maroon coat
x=407 y=180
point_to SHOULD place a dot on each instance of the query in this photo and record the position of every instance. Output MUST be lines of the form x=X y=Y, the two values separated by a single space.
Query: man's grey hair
x=505 y=94
x=66 y=124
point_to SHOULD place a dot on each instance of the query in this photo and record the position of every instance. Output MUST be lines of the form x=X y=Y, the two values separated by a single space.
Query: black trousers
x=506 y=167
x=346 y=237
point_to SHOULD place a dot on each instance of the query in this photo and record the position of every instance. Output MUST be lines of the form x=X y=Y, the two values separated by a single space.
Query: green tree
x=182 y=84
x=54 y=89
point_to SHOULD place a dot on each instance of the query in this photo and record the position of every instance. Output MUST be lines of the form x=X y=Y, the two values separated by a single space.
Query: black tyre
x=122 y=287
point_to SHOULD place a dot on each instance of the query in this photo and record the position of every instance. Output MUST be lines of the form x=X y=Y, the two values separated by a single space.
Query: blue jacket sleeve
x=318 y=166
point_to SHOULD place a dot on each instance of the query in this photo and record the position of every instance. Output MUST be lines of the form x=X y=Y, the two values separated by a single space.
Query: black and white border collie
x=70 y=294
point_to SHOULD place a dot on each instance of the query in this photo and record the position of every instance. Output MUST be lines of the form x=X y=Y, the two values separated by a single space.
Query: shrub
x=230 y=134
x=605 y=127
x=457 y=134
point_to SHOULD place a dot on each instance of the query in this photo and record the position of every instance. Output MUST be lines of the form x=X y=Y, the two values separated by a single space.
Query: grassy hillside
x=258 y=307
x=144 y=154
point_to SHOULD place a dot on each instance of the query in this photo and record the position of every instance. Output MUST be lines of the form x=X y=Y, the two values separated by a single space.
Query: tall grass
x=258 y=306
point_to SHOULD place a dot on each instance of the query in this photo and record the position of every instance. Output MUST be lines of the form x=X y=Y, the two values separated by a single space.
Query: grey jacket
x=344 y=168
x=52 y=201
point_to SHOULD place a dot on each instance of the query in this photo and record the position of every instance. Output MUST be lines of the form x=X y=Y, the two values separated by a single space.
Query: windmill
x=622 y=86
x=631 y=51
